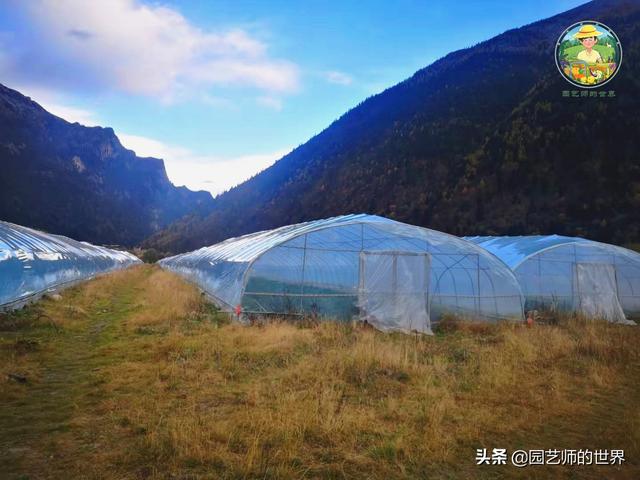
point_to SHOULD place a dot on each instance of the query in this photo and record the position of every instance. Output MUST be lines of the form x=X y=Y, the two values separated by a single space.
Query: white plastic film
x=313 y=269
x=394 y=290
x=596 y=292
x=545 y=269
x=32 y=262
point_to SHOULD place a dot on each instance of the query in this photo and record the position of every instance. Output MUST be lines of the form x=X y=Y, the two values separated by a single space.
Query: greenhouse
x=572 y=274
x=393 y=275
x=33 y=262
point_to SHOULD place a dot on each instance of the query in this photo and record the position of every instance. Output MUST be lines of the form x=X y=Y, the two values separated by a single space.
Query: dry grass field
x=133 y=376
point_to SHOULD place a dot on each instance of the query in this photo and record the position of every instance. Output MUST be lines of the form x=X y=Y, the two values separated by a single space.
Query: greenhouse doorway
x=598 y=291
x=394 y=290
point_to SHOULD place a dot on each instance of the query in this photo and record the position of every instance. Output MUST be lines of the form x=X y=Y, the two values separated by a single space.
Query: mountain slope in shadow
x=80 y=181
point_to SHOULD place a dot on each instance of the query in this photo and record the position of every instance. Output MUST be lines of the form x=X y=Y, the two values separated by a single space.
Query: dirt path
x=62 y=365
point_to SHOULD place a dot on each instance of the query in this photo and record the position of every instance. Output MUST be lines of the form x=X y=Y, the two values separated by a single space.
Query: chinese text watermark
x=523 y=458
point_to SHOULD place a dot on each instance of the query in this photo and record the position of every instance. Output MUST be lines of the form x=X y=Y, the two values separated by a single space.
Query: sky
x=222 y=89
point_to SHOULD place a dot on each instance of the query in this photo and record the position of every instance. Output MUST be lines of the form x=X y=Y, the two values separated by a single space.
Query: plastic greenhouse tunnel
x=572 y=274
x=393 y=275
x=34 y=262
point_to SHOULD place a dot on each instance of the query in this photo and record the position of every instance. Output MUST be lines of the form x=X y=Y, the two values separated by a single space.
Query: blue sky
x=221 y=89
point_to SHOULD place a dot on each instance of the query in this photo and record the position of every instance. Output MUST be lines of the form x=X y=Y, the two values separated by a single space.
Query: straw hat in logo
x=587 y=31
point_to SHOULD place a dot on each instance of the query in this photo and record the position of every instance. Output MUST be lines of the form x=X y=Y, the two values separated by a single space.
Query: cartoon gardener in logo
x=588 y=54
x=588 y=37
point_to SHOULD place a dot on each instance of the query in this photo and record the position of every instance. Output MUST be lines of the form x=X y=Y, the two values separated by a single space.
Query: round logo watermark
x=588 y=54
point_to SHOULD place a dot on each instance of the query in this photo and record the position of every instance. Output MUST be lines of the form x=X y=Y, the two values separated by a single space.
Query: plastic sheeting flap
x=597 y=295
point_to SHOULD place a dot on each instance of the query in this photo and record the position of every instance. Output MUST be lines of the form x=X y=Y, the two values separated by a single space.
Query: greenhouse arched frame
x=393 y=275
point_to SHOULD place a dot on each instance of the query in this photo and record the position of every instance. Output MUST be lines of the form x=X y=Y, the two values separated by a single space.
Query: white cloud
x=273 y=103
x=339 y=78
x=55 y=104
x=72 y=114
x=140 y=49
x=201 y=172
x=218 y=102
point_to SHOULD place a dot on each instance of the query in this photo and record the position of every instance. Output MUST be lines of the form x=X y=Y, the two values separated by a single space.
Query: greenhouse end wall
x=395 y=276
x=33 y=262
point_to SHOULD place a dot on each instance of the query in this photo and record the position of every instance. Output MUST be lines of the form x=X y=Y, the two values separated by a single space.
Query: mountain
x=81 y=182
x=480 y=142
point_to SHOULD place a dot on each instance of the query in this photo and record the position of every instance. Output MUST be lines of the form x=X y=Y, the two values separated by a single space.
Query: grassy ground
x=132 y=375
